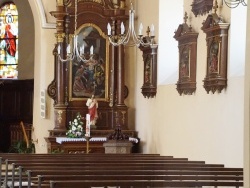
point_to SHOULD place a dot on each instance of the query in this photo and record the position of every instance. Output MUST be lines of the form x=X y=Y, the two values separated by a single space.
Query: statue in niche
x=92 y=105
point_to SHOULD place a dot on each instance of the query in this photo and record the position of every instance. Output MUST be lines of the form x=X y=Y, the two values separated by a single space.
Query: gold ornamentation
x=59 y=2
x=94 y=1
x=59 y=116
x=59 y=37
x=123 y=117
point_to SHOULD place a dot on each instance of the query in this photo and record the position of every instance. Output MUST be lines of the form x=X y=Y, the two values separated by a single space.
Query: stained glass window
x=8 y=41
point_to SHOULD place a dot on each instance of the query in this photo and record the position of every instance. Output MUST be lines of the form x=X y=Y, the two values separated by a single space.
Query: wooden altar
x=61 y=144
x=74 y=82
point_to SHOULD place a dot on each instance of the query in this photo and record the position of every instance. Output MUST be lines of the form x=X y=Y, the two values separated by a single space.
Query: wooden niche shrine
x=149 y=54
x=187 y=44
x=217 y=48
x=102 y=76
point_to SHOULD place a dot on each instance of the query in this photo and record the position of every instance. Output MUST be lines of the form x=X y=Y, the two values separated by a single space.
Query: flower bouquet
x=76 y=127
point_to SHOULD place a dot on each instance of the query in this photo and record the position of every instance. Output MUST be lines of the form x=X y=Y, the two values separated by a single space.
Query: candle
x=122 y=28
x=109 y=29
x=152 y=30
x=140 y=29
x=82 y=50
x=91 y=50
x=58 y=49
x=87 y=125
x=68 y=49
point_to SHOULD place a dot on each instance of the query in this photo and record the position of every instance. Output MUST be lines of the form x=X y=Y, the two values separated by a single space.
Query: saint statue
x=92 y=105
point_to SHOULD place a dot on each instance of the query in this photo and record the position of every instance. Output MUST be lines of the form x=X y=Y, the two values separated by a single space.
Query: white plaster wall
x=201 y=126
x=44 y=74
x=247 y=107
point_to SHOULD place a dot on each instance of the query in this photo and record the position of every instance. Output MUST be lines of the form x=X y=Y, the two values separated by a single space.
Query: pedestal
x=118 y=146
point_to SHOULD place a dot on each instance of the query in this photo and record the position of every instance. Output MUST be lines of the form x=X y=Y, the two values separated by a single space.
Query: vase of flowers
x=76 y=127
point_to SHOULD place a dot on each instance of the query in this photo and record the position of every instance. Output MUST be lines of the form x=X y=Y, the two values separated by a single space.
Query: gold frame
x=106 y=67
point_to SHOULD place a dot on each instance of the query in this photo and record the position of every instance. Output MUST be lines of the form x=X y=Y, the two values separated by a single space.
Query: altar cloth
x=93 y=139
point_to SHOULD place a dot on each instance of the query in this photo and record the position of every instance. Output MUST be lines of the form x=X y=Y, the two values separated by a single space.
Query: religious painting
x=201 y=7
x=213 y=58
x=147 y=69
x=89 y=74
x=184 y=63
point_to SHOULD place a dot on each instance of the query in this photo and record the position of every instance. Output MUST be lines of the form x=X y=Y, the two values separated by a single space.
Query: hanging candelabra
x=75 y=52
x=125 y=39
x=234 y=3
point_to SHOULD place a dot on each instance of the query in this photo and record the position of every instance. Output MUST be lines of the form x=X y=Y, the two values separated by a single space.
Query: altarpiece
x=75 y=81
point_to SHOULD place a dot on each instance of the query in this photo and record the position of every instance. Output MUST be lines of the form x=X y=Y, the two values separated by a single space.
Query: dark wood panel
x=16 y=104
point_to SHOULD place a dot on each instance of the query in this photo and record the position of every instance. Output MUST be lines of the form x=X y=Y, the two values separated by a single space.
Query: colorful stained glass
x=8 y=41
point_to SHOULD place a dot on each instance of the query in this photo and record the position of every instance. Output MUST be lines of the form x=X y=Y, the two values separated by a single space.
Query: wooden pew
x=45 y=179
x=139 y=183
x=142 y=170
x=32 y=160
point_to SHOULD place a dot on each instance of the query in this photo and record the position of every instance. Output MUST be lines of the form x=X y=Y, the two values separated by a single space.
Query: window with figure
x=8 y=41
x=89 y=77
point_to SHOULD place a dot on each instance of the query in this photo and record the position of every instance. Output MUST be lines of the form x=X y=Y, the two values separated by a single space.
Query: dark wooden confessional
x=107 y=82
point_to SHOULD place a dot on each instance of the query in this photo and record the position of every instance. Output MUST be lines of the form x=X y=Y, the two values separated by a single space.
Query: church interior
x=177 y=85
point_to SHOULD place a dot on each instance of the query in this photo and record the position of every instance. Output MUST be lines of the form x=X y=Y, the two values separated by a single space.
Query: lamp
x=124 y=39
x=234 y=3
x=75 y=52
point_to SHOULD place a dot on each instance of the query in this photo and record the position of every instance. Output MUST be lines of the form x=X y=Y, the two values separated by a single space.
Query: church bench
x=45 y=179
x=97 y=173
x=46 y=175
x=101 y=160
x=145 y=166
x=62 y=155
x=94 y=162
x=132 y=175
x=139 y=183
x=37 y=172
x=90 y=168
x=132 y=168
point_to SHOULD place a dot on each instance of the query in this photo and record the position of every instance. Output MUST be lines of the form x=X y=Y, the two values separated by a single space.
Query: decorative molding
x=45 y=24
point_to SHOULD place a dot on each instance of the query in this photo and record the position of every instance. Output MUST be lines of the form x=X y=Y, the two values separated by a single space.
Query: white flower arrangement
x=76 y=127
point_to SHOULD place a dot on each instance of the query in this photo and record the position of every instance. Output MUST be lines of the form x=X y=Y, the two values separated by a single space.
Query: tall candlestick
x=87 y=125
